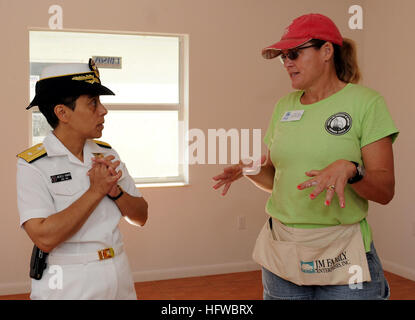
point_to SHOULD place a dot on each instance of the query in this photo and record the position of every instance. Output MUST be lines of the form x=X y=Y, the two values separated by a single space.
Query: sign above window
x=108 y=62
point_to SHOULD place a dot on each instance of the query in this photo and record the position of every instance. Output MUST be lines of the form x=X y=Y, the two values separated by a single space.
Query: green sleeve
x=377 y=123
x=269 y=135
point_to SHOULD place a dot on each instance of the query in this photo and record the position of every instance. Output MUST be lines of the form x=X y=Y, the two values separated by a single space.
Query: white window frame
x=182 y=107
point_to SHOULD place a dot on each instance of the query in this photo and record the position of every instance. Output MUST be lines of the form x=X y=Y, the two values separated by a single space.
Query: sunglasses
x=292 y=54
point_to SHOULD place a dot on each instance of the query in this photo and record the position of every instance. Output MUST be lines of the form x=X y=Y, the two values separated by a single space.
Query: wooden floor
x=233 y=286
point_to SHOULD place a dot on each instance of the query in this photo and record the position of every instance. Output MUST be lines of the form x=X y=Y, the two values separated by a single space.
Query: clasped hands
x=103 y=175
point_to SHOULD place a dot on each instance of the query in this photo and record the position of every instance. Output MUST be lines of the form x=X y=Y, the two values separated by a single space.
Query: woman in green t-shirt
x=329 y=152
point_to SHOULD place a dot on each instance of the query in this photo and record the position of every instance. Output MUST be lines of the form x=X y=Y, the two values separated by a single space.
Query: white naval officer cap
x=68 y=79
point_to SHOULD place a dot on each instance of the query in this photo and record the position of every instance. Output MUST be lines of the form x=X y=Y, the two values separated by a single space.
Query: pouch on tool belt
x=320 y=256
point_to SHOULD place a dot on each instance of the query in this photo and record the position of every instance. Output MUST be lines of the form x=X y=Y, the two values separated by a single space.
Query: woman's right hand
x=233 y=173
x=229 y=175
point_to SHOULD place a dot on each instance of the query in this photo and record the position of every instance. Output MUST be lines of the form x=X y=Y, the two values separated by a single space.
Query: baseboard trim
x=194 y=271
x=154 y=275
x=15 y=288
x=398 y=269
x=197 y=271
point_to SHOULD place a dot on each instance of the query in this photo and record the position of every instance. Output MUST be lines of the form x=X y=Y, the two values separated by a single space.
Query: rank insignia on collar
x=98 y=155
x=34 y=153
x=102 y=144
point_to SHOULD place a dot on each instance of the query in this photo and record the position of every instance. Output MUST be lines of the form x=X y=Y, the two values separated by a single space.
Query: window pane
x=147 y=141
x=150 y=64
x=40 y=127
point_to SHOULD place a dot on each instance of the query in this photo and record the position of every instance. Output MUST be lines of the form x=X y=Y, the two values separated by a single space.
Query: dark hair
x=345 y=60
x=48 y=109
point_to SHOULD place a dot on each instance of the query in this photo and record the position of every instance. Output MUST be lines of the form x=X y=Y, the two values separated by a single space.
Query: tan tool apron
x=322 y=256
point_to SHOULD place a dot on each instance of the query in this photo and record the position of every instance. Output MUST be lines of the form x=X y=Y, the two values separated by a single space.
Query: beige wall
x=192 y=230
x=389 y=68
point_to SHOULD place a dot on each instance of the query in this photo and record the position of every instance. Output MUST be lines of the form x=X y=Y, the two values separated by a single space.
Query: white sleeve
x=126 y=182
x=33 y=197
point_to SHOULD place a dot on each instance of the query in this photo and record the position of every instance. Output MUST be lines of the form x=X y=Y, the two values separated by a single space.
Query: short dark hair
x=47 y=109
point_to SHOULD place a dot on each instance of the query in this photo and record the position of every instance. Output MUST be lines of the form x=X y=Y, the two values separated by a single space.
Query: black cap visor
x=53 y=89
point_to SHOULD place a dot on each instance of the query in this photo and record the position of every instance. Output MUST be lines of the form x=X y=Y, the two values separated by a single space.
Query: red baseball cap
x=303 y=29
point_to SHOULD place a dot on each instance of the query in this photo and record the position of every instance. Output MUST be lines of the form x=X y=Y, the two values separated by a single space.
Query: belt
x=84 y=258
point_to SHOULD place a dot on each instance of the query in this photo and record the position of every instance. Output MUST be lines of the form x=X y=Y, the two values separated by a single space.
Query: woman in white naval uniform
x=73 y=191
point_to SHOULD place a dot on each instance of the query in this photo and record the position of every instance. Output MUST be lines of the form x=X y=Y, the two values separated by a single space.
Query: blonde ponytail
x=345 y=62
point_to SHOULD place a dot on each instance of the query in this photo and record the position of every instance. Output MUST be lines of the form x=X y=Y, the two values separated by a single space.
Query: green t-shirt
x=334 y=128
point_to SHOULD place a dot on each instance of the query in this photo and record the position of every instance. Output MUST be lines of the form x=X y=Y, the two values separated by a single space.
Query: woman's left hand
x=333 y=178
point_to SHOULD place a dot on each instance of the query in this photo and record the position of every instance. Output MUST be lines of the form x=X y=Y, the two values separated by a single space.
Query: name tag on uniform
x=61 y=177
x=294 y=115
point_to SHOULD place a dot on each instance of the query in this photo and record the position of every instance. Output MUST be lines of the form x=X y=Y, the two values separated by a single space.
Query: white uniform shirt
x=39 y=197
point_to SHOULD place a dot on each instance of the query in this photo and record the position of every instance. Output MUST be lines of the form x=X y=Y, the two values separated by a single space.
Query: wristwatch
x=360 y=173
x=119 y=195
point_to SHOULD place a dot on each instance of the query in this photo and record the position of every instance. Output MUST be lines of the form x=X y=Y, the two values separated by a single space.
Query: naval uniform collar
x=90 y=150
x=92 y=147
x=54 y=147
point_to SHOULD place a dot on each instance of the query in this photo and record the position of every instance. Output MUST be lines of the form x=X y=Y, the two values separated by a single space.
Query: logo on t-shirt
x=339 y=123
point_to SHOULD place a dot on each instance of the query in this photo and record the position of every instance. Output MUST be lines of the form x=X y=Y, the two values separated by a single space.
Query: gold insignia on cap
x=93 y=67
x=90 y=78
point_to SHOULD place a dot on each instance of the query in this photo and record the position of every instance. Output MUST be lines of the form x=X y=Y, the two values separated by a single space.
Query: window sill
x=160 y=185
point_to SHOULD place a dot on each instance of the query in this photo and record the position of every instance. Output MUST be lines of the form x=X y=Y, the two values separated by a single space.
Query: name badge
x=294 y=115
x=61 y=177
